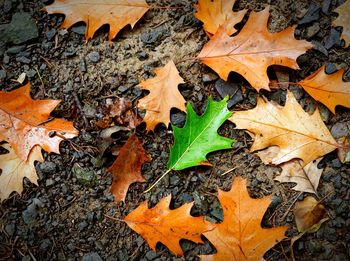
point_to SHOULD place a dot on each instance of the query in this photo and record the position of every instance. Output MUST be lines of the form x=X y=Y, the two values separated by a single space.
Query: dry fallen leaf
x=309 y=215
x=126 y=169
x=163 y=96
x=161 y=224
x=26 y=122
x=343 y=20
x=14 y=170
x=306 y=178
x=214 y=13
x=253 y=50
x=240 y=236
x=116 y=13
x=330 y=89
x=296 y=133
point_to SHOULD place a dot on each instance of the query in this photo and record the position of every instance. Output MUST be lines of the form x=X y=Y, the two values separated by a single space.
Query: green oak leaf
x=199 y=136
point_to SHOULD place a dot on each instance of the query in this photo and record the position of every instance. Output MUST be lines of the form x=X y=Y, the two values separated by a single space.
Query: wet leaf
x=126 y=169
x=253 y=50
x=163 y=96
x=116 y=13
x=240 y=236
x=168 y=226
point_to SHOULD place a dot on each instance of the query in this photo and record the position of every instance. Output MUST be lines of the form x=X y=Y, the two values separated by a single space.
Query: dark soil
x=64 y=218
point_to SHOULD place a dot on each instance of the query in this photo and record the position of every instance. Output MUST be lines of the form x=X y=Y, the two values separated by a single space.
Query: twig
x=78 y=103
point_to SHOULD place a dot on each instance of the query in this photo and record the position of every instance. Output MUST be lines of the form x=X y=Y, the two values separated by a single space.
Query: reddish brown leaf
x=127 y=168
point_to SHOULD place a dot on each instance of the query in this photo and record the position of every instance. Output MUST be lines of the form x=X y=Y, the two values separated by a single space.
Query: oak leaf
x=168 y=226
x=253 y=50
x=14 y=170
x=306 y=178
x=215 y=13
x=329 y=89
x=163 y=96
x=240 y=236
x=309 y=214
x=343 y=20
x=116 y=13
x=296 y=133
x=126 y=169
x=25 y=122
x=199 y=136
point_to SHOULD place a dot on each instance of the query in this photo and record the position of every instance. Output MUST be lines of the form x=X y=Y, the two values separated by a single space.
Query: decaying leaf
x=163 y=96
x=26 y=122
x=214 y=13
x=309 y=215
x=161 y=224
x=199 y=136
x=126 y=169
x=296 y=133
x=253 y=50
x=344 y=151
x=329 y=89
x=240 y=236
x=306 y=178
x=116 y=13
x=14 y=170
x=343 y=20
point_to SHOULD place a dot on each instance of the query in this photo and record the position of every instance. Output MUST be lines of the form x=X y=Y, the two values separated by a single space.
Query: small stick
x=78 y=103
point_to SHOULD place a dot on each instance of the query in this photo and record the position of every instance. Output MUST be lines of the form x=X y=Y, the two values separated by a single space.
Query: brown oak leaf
x=126 y=169
x=343 y=20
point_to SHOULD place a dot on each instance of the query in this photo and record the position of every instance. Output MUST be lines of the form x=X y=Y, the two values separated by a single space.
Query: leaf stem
x=155 y=183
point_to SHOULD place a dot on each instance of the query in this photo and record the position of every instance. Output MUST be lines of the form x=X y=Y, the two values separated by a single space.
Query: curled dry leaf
x=306 y=178
x=343 y=20
x=126 y=169
x=296 y=133
x=26 y=122
x=15 y=169
x=163 y=96
x=116 y=13
x=215 y=13
x=240 y=236
x=253 y=50
x=330 y=89
x=309 y=215
x=168 y=226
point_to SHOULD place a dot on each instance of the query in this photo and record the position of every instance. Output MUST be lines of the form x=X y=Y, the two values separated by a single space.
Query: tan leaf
x=343 y=20
x=25 y=122
x=214 y=13
x=330 y=89
x=15 y=169
x=296 y=133
x=116 y=13
x=309 y=215
x=240 y=236
x=161 y=224
x=126 y=169
x=163 y=96
x=253 y=50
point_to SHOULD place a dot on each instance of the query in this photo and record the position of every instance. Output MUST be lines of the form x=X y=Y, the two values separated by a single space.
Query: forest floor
x=65 y=217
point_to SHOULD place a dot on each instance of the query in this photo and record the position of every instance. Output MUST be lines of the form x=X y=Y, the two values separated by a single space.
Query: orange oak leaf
x=343 y=20
x=15 y=169
x=330 y=89
x=116 y=13
x=240 y=236
x=295 y=132
x=164 y=95
x=126 y=169
x=253 y=50
x=215 y=13
x=168 y=226
x=25 y=122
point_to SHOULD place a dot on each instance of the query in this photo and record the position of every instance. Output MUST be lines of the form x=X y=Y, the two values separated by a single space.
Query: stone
x=209 y=77
x=79 y=29
x=49 y=182
x=21 y=29
x=83 y=175
x=339 y=130
x=93 y=256
x=312 y=14
x=93 y=57
x=82 y=225
x=178 y=119
x=15 y=49
x=230 y=89
x=312 y=30
x=51 y=34
x=48 y=167
x=2 y=75
x=23 y=59
x=10 y=229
